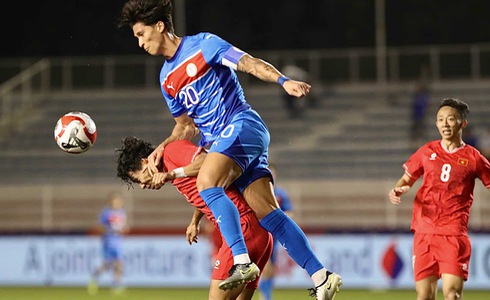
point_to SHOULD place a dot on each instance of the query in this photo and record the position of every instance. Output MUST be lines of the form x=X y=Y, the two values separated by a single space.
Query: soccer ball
x=75 y=132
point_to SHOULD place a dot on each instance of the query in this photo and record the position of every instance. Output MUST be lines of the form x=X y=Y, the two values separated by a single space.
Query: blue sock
x=227 y=217
x=293 y=239
x=265 y=287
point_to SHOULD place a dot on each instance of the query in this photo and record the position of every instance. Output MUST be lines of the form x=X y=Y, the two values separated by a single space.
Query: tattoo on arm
x=258 y=68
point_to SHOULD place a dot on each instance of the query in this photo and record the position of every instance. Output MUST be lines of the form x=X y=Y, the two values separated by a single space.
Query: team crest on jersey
x=433 y=156
x=462 y=162
x=191 y=70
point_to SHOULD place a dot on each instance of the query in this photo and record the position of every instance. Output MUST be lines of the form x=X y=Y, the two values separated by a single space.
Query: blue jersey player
x=113 y=224
x=202 y=91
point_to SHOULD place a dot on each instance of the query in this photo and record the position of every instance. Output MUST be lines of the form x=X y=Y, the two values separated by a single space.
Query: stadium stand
x=338 y=161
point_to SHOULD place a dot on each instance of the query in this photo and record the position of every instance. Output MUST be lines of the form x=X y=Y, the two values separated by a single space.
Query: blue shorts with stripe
x=245 y=140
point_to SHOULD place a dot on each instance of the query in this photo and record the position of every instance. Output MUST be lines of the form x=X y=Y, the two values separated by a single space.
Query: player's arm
x=125 y=229
x=184 y=129
x=192 y=231
x=401 y=188
x=190 y=170
x=267 y=72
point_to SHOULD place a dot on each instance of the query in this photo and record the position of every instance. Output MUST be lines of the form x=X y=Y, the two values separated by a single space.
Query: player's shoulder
x=471 y=151
x=200 y=37
x=431 y=146
x=469 y=148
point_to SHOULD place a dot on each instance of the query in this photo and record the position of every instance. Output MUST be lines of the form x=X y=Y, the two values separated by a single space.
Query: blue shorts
x=111 y=253
x=245 y=140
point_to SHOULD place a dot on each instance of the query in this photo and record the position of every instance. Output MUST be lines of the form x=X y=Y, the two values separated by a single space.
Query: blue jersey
x=200 y=80
x=113 y=221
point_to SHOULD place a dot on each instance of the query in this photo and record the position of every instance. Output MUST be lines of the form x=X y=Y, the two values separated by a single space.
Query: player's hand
x=154 y=160
x=296 y=88
x=395 y=194
x=159 y=179
x=191 y=233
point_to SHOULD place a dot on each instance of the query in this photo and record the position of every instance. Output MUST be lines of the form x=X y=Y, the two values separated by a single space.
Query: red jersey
x=442 y=204
x=181 y=153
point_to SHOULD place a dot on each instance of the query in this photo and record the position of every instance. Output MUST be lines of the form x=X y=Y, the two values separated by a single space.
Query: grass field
x=26 y=293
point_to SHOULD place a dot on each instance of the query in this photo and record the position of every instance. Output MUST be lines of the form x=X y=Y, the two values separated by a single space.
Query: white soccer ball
x=75 y=132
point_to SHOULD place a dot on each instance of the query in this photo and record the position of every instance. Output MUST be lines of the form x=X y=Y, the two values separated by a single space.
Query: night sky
x=87 y=27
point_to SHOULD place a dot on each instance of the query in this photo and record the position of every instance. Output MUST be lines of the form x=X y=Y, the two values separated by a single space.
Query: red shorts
x=259 y=245
x=434 y=255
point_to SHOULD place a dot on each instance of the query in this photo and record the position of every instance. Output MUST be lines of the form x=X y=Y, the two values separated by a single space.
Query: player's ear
x=160 y=26
x=464 y=124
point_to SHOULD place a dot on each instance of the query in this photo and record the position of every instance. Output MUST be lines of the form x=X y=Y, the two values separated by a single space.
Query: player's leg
x=266 y=284
x=260 y=246
x=216 y=173
x=93 y=286
x=255 y=184
x=266 y=281
x=425 y=267
x=259 y=194
x=452 y=287
x=453 y=254
x=246 y=294
x=215 y=293
x=426 y=288
x=224 y=262
x=242 y=141
x=117 y=286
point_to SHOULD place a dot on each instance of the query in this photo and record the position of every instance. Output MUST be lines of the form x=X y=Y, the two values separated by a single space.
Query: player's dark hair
x=149 y=12
x=129 y=157
x=461 y=106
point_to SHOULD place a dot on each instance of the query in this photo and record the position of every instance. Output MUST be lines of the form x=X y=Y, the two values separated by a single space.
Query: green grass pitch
x=50 y=293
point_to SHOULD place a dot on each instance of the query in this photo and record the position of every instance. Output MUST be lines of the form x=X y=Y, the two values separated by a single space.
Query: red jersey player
x=441 y=246
x=185 y=159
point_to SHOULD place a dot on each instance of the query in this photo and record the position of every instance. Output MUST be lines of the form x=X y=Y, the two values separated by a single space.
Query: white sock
x=319 y=276
x=241 y=259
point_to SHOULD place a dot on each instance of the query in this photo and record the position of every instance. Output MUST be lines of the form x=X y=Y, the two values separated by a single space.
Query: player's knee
x=426 y=293
x=453 y=294
x=204 y=183
x=425 y=296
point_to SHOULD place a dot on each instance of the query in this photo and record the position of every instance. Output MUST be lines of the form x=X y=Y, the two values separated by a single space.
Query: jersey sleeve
x=414 y=166
x=483 y=170
x=180 y=154
x=103 y=217
x=218 y=51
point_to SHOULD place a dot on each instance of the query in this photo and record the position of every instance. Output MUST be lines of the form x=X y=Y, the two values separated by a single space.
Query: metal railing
x=19 y=94
x=327 y=66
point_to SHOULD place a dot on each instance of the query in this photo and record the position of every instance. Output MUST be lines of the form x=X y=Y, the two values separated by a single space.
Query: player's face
x=142 y=177
x=149 y=37
x=449 y=123
x=116 y=202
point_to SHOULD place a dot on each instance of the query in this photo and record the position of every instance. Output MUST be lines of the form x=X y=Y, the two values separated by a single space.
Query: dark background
x=87 y=27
